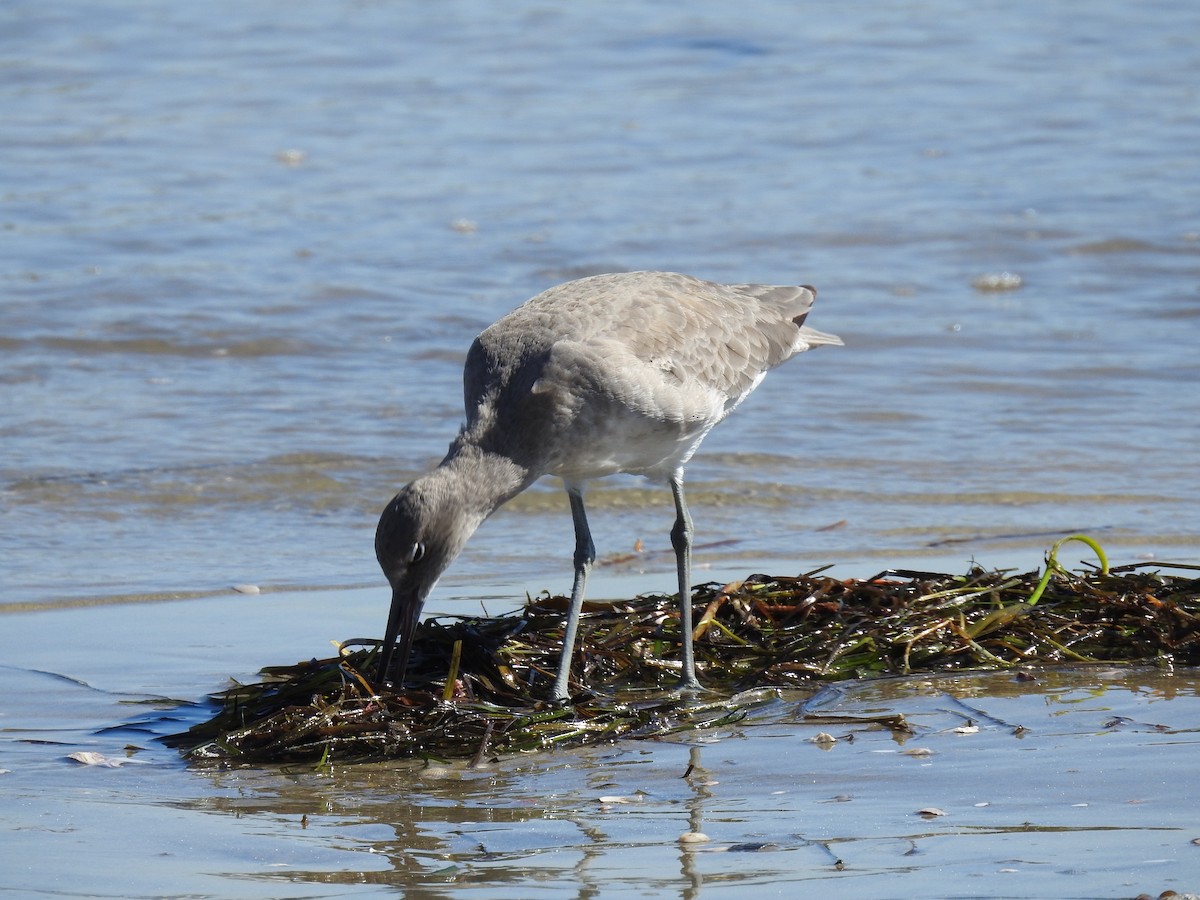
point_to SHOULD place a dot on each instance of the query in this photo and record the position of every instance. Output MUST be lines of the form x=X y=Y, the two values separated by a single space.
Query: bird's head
x=420 y=533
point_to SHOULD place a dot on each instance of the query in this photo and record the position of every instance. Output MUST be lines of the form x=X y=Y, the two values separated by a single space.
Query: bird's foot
x=692 y=689
x=560 y=697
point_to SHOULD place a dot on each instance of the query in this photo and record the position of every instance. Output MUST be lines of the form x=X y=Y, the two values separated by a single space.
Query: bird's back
x=627 y=372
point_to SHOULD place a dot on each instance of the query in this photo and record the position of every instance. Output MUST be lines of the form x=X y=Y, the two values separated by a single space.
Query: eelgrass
x=476 y=683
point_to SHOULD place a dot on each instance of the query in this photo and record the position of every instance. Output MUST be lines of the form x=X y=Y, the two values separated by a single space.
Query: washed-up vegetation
x=475 y=684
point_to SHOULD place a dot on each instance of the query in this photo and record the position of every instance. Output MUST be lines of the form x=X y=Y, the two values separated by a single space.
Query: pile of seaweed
x=475 y=683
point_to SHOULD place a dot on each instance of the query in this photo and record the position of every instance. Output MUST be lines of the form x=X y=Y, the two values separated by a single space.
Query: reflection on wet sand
x=785 y=798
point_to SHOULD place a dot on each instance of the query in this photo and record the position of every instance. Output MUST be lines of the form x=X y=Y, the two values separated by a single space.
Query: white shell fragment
x=92 y=758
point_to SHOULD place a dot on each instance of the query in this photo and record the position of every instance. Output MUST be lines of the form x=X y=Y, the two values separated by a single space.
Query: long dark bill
x=402 y=624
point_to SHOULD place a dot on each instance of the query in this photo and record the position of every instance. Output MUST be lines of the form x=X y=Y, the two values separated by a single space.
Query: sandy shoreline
x=1102 y=807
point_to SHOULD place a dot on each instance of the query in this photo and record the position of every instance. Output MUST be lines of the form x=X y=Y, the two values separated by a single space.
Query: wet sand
x=1080 y=783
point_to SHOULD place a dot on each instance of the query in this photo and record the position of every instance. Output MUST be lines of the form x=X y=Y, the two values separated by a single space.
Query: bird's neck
x=493 y=479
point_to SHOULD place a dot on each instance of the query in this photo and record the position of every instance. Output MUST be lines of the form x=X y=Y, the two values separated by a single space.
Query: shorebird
x=614 y=373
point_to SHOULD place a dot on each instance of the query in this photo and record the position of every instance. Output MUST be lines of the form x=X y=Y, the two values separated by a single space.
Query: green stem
x=1053 y=565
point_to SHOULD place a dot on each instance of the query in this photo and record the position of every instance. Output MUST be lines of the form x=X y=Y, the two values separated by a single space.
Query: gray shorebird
x=614 y=373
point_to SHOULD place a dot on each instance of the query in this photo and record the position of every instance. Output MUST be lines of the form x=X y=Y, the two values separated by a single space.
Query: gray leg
x=585 y=555
x=681 y=540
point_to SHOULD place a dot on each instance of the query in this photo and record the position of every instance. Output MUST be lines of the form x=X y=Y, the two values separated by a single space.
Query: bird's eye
x=416 y=552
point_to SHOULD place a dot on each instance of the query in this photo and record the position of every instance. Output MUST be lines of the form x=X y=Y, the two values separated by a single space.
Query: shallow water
x=244 y=250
